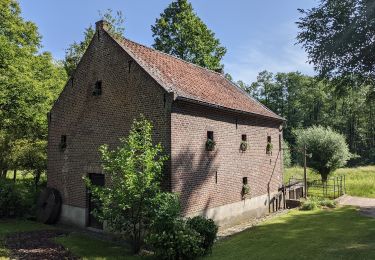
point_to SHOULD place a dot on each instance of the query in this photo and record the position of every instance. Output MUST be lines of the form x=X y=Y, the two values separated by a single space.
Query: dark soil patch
x=37 y=245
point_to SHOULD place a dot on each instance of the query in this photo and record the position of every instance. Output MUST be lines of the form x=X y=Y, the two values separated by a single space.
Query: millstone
x=48 y=206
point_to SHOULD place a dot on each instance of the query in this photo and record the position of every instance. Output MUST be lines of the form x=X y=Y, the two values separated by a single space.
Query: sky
x=258 y=34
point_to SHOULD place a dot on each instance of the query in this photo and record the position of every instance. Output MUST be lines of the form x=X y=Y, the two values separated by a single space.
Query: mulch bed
x=37 y=245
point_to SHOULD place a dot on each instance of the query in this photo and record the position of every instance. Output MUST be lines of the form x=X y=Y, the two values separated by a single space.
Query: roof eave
x=199 y=102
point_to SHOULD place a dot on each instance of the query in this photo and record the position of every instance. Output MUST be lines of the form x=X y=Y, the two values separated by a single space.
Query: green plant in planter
x=243 y=146
x=210 y=144
x=245 y=190
x=269 y=148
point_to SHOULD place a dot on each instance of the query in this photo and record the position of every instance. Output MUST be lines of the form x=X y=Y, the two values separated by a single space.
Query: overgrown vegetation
x=313 y=203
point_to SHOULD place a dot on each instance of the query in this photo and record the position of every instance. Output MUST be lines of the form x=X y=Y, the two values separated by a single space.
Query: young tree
x=180 y=32
x=338 y=37
x=76 y=50
x=134 y=171
x=328 y=148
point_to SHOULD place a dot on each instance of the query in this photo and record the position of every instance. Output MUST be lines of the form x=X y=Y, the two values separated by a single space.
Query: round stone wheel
x=48 y=206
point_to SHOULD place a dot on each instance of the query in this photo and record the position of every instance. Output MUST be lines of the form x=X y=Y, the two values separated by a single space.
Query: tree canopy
x=29 y=81
x=338 y=36
x=180 y=32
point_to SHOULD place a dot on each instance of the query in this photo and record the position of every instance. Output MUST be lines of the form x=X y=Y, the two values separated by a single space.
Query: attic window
x=98 y=88
x=63 y=142
x=244 y=138
x=244 y=180
x=269 y=139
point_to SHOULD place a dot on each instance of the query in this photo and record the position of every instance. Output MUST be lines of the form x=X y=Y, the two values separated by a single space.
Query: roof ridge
x=170 y=55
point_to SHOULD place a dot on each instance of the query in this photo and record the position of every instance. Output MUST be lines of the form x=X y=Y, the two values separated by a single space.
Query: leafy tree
x=30 y=81
x=76 y=50
x=287 y=158
x=180 y=32
x=329 y=149
x=338 y=37
x=134 y=171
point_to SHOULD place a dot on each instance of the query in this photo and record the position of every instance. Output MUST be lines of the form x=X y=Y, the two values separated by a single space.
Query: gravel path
x=366 y=205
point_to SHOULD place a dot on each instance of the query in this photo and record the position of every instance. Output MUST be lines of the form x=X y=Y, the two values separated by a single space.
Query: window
x=244 y=138
x=244 y=180
x=210 y=135
x=63 y=142
x=269 y=139
x=98 y=89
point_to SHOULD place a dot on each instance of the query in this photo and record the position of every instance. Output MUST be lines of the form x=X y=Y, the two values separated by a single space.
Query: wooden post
x=14 y=175
x=304 y=171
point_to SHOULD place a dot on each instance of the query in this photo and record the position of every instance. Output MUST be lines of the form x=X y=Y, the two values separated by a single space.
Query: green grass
x=321 y=234
x=360 y=181
x=12 y=226
x=91 y=248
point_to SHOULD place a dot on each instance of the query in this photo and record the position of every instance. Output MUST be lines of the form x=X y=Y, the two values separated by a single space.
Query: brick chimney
x=100 y=25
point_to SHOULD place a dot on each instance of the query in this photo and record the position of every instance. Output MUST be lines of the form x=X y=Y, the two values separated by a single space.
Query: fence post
x=334 y=188
x=344 y=184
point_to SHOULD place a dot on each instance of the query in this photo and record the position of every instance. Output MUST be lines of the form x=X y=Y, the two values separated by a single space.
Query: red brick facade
x=204 y=179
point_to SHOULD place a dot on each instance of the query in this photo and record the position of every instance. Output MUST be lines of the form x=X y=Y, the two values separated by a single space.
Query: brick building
x=117 y=80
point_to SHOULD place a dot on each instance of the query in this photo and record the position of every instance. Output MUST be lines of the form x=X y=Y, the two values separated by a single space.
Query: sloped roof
x=192 y=82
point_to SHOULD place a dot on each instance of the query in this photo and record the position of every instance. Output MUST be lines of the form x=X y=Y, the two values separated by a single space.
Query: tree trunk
x=14 y=175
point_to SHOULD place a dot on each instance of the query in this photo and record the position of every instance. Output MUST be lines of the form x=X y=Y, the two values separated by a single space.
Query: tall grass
x=360 y=181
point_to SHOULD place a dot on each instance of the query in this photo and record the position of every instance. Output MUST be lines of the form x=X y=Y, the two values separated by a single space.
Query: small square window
x=63 y=142
x=269 y=139
x=97 y=89
x=244 y=138
x=244 y=180
x=210 y=135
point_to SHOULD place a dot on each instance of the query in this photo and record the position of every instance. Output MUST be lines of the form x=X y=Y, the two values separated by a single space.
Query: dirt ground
x=37 y=245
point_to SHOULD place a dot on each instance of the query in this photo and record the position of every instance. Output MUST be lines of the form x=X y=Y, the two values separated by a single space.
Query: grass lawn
x=322 y=234
x=360 y=181
x=91 y=248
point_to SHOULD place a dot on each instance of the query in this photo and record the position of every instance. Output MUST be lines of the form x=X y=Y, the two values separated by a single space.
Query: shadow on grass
x=329 y=234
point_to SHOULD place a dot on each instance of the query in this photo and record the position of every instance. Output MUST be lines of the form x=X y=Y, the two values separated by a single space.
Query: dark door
x=97 y=180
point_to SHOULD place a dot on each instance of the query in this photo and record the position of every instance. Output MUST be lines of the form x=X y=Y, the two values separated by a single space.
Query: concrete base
x=232 y=214
x=75 y=216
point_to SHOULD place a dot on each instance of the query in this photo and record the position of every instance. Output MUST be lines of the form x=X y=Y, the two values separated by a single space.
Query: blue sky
x=258 y=34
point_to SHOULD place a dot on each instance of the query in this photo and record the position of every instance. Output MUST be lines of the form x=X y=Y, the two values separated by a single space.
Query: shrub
x=207 y=230
x=243 y=146
x=309 y=204
x=314 y=203
x=210 y=145
x=328 y=148
x=287 y=158
x=10 y=199
x=170 y=237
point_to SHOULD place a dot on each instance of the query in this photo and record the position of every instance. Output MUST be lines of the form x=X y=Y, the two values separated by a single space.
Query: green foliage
x=306 y=101
x=328 y=148
x=287 y=158
x=170 y=236
x=315 y=202
x=335 y=34
x=29 y=83
x=207 y=230
x=134 y=170
x=245 y=190
x=75 y=51
x=180 y=32
x=210 y=145
x=10 y=199
x=243 y=146
x=269 y=147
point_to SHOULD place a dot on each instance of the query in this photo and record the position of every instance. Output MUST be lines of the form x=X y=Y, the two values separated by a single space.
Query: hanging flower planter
x=210 y=145
x=269 y=148
x=245 y=190
x=243 y=146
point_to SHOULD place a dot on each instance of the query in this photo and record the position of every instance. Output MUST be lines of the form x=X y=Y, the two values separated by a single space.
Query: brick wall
x=89 y=121
x=207 y=179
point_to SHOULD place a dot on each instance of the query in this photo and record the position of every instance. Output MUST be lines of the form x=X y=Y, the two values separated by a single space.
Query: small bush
x=310 y=204
x=10 y=199
x=207 y=230
x=314 y=203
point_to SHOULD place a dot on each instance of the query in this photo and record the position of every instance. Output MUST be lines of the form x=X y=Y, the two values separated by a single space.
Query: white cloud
x=276 y=53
